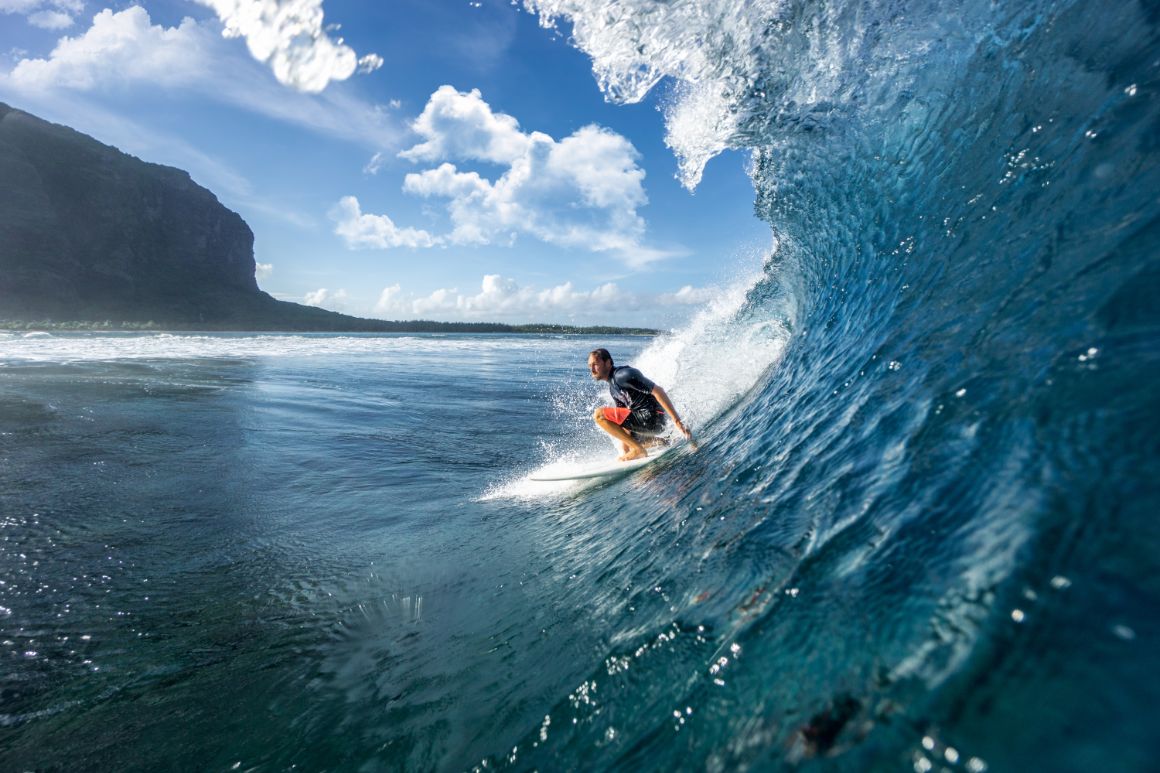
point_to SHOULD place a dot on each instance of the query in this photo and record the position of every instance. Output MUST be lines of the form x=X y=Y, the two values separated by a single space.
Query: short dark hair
x=601 y=354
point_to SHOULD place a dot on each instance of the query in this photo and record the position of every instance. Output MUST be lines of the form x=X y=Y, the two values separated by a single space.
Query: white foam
x=97 y=347
x=707 y=45
x=521 y=486
x=699 y=125
x=717 y=358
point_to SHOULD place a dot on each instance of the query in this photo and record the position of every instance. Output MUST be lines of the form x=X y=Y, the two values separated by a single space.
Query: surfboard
x=599 y=469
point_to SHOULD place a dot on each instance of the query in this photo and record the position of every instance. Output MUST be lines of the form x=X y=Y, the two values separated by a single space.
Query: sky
x=404 y=159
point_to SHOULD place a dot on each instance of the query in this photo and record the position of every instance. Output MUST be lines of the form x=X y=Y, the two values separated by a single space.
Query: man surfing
x=642 y=407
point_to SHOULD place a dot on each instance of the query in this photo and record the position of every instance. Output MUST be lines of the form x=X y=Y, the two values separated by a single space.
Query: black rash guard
x=630 y=389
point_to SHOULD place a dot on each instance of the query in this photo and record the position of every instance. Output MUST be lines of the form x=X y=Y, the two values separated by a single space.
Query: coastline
x=371 y=326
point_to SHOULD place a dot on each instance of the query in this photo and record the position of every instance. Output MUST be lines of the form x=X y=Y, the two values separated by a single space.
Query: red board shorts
x=617 y=415
x=634 y=423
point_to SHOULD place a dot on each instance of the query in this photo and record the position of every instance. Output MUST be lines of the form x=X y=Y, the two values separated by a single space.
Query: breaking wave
x=923 y=507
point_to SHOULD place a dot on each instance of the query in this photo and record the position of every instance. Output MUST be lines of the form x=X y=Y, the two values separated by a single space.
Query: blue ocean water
x=919 y=532
x=279 y=550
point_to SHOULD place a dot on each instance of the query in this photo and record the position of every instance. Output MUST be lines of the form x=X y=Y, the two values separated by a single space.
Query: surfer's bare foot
x=631 y=454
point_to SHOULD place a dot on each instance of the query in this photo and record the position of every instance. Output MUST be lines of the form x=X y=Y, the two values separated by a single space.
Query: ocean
x=919 y=531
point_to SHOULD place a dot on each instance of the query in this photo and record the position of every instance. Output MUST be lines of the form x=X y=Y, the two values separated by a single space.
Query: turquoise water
x=273 y=550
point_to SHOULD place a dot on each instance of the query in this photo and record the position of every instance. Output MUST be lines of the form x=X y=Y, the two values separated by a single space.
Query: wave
x=937 y=441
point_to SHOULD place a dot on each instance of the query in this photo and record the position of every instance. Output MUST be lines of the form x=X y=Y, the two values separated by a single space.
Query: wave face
x=924 y=533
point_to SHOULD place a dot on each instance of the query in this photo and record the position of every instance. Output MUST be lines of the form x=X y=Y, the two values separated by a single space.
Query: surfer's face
x=598 y=368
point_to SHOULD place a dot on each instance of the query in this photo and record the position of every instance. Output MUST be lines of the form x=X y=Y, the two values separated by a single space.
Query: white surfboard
x=599 y=469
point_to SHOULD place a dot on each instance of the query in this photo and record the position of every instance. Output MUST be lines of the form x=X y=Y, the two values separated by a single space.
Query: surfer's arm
x=663 y=398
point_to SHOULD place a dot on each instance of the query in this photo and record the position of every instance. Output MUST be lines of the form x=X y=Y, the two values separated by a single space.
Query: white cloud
x=377 y=231
x=50 y=20
x=501 y=298
x=322 y=297
x=375 y=165
x=583 y=191
x=46 y=14
x=290 y=36
x=125 y=49
x=391 y=300
x=263 y=270
x=120 y=46
x=460 y=125
x=29 y=6
x=369 y=63
x=689 y=296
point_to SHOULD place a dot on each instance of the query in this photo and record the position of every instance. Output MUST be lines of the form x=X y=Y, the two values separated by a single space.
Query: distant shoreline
x=377 y=326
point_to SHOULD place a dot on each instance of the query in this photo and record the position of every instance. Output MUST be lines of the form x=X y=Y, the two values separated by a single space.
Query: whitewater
x=919 y=531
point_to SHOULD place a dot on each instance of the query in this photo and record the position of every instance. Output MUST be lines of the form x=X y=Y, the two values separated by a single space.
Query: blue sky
x=430 y=159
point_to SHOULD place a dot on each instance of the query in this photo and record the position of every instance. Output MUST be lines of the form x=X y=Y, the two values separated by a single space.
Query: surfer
x=641 y=408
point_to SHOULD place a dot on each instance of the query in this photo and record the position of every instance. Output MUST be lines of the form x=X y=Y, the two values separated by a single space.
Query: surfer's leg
x=650 y=434
x=632 y=449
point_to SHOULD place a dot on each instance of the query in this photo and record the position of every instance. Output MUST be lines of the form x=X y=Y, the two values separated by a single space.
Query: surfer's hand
x=684 y=430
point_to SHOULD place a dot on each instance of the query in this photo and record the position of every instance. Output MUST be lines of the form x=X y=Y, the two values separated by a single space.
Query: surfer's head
x=599 y=364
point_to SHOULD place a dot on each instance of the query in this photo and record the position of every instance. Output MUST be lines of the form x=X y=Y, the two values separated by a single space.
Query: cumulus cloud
x=124 y=49
x=374 y=231
x=46 y=14
x=500 y=297
x=322 y=297
x=263 y=270
x=290 y=36
x=583 y=191
x=51 y=20
x=119 y=47
x=688 y=296
x=460 y=125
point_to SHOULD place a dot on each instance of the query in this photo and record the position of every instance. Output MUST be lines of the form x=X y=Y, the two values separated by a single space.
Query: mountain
x=90 y=233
